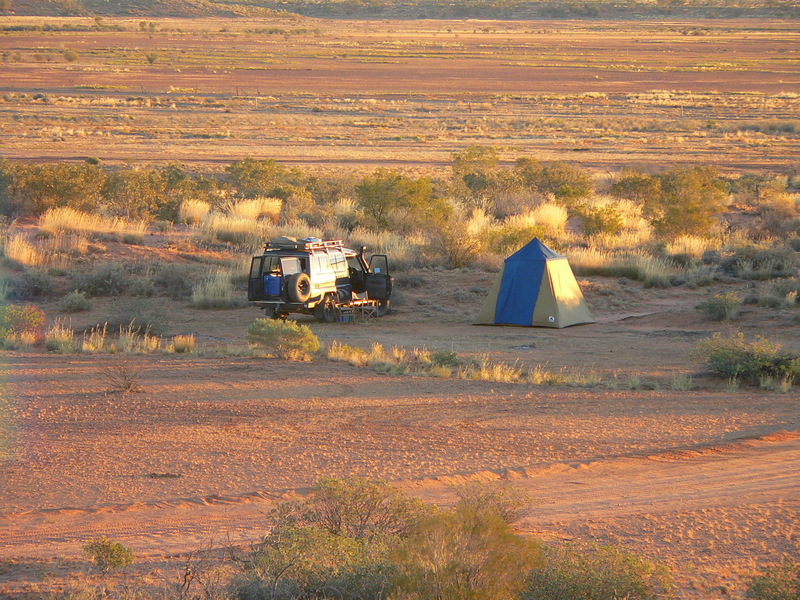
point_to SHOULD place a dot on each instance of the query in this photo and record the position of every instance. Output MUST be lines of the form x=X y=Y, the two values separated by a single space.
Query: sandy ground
x=706 y=480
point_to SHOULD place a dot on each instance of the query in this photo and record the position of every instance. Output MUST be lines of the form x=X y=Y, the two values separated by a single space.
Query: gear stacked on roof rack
x=290 y=243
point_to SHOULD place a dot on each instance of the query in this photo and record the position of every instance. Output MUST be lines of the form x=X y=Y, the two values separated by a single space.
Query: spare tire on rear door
x=298 y=287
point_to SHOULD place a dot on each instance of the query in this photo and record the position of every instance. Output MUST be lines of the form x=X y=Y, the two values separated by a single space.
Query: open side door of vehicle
x=378 y=281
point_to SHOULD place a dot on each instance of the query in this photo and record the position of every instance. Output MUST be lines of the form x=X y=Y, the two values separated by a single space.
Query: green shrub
x=753 y=263
x=33 y=283
x=285 y=339
x=596 y=572
x=780 y=582
x=75 y=301
x=733 y=357
x=445 y=358
x=106 y=554
x=295 y=561
x=108 y=279
x=334 y=544
x=604 y=219
x=721 y=307
x=464 y=553
x=177 y=281
x=139 y=315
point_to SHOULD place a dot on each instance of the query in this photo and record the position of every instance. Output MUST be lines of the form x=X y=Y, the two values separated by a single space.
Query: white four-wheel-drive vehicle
x=318 y=277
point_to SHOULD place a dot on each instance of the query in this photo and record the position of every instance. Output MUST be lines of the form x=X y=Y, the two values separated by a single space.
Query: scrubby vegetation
x=358 y=539
x=684 y=225
x=759 y=360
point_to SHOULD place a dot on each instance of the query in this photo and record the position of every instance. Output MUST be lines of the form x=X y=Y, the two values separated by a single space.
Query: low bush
x=721 y=307
x=106 y=554
x=177 y=281
x=75 y=301
x=284 y=339
x=509 y=503
x=596 y=572
x=33 y=283
x=781 y=582
x=335 y=543
x=108 y=279
x=749 y=262
x=601 y=219
x=139 y=315
x=733 y=357
x=445 y=358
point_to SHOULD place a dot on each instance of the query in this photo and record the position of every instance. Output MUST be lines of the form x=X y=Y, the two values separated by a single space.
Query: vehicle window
x=255 y=267
x=353 y=263
x=379 y=264
x=318 y=264
x=272 y=265
x=338 y=261
x=290 y=265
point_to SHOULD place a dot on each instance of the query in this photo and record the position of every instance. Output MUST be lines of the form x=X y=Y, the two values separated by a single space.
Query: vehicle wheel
x=383 y=307
x=269 y=312
x=325 y=311
x=299 y=287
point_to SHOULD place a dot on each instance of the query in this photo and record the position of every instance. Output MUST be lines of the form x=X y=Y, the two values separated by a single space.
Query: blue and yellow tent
x=535 y=288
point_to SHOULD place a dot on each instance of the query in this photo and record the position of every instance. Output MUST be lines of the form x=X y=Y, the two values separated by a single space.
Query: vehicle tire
x=298 y=287
x=269 y=312
x=383 y=307
x=326 y=311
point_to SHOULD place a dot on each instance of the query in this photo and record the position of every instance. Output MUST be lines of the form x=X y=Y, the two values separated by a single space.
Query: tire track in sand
x=753 y=470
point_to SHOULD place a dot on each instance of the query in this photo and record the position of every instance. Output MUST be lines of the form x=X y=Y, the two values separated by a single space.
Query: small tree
x=106 y=554
x=691 y=200
x=637 y=187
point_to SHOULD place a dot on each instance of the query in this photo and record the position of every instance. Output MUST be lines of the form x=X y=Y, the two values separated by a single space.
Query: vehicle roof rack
x=290 y=243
